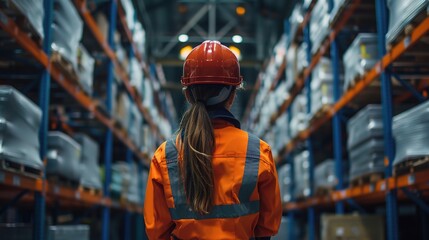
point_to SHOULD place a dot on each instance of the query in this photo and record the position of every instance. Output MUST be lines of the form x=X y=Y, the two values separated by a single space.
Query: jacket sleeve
x=270 y=210
x=156 y=214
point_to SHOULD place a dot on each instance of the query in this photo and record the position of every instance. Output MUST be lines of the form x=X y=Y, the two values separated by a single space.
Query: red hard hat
x=211 y=63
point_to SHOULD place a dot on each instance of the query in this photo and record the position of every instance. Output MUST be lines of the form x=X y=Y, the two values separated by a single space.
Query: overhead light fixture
x=183 y=38
x=184 y=52
x=236 y=51
x=237 y=38
x=240 y=10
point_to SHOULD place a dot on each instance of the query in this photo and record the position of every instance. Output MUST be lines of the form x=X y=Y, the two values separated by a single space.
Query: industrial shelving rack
x=45 y=190
x=387 y=190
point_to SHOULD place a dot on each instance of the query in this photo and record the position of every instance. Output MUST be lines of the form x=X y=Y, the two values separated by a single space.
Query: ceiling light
x=183 y=38
x=240 y=11
x=237 y=38
x=184 y=52
x=236 y=51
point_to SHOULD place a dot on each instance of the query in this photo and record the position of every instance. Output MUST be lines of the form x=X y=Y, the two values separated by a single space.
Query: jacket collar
x=225 y=115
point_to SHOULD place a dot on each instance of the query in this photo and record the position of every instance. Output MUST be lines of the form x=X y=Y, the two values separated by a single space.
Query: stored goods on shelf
x=319 y=24
x=16 y=231
x=324 y=175
x=337 y=5
x=360 y=57
x=285 y=183
x=68 y=232
x=283 y=230
x=148 y=140
x=411 y=133
x=139 y=37
x=85 y=69
x=89 y=162
x=367 y=160
x=402 y=13
x=352 y=227
x=134 y=125
x=322 y=85
x=122 y=109
x=67 y=28
x=121 y=180
x=64 y=156
x=136 y=76
x=364 y=125
x=34 y=12
x=133 y=194
x=299 y=121
x=302 y=175
x=102 y=24
x=129 y=13
x=281 y=134
x=295 y=19
x=120 y=51
x=20 y=121
x=291 y=66
x=301 y=59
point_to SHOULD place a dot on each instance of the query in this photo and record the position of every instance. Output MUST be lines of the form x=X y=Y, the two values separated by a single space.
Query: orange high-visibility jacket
x=246 y=202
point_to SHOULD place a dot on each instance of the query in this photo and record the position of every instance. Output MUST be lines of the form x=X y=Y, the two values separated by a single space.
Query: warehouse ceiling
x=260 y=27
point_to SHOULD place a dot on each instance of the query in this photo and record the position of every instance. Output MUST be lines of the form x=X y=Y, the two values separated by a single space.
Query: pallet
x=66 y=68
x=22 y=169
x=63 y=181
x=324 y=191
x=366 y=179
x=90 y=190
x=21 y=20
x=411 y=166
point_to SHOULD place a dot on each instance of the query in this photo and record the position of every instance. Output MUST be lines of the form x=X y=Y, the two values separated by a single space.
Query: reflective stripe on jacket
x=246 y=201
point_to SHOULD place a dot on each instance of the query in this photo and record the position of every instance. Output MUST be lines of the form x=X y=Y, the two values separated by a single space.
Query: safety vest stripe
x=251 y=168
x=218 y=211
x=173 y=173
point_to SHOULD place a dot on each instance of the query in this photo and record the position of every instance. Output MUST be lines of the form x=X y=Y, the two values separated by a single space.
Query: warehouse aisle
x=90 y=89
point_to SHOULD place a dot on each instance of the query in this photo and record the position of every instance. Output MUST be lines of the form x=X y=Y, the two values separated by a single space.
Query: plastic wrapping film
x=360 y=57
x=295 y=19
x=302 y=175
x=291 y=66
x=68 y=232
x=139 y=37
x=135 y=123
x=324 y=175
x=281 y=135
x=364 y=125
x=321 y=85
x=402 y=12
x=34 y=11
x=122 y=108
x=121 y=179
x=301 y=56
x=85 y=69
x=89 y=162
x=136 y=76
x=319 y=24
x=284 y=183
x=367 y=158
x=299 y=121
x=411 y=133
x=129 y=13
x=64 y=156
x=20 y=121
x=67 y=29
x=337 y=5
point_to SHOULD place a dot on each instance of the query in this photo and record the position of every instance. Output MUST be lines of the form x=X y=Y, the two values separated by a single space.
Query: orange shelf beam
x=92 y=25
x=85 y=101
x=400 y=48
x=418 y=180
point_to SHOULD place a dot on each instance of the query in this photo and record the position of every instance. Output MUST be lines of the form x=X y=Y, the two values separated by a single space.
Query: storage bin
x=67 y=28
x=68 y=232
x=364 y=125
x=410 y=130
x=360 y=57
x=20 y=121
x=367 y=158
x=34 y=12
x=90 y=170
x=64 y=156
x=401 y=13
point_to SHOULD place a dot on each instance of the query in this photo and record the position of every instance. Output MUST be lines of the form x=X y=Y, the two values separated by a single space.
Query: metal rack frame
x=43 y=189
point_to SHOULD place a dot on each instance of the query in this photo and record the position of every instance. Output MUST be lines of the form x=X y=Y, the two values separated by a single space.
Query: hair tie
x=202 y=101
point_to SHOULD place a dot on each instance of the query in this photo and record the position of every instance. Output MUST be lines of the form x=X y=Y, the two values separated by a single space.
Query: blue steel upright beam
x=311 y=211
x=336 y=124
x=44 y=96
x=386 y=96
x=108 y=149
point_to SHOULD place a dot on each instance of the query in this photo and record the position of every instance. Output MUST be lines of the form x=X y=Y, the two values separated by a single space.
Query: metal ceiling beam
x=200 y=31
x=188 y=26
x=212 y=19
